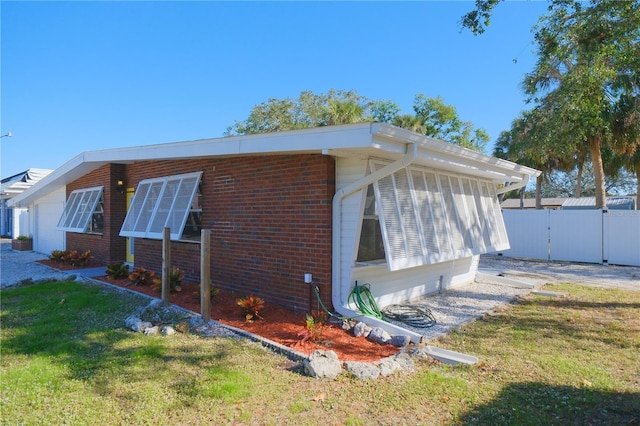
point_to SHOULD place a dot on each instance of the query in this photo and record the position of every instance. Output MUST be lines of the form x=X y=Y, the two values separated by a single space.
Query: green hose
x=361 y=297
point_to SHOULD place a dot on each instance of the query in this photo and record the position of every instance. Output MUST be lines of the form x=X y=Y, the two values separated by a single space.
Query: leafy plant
x=213 y=291
x=251 y=307
x=315 y=323
x=142 y=276
x=117 y=270
x=23 y=238
x=175 y=279
x=71 y=257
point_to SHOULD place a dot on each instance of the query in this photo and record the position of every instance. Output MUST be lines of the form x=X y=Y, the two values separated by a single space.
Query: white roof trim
x=387 y=141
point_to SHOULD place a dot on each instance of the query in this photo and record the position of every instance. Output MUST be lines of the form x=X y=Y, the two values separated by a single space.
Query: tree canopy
x=585 y=86
x=432 y=116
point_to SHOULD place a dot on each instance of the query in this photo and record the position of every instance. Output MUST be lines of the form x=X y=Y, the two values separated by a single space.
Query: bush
x=141 y=276
x=117 y=270
x=71 y=257
x=251 y=307
x=175 y=279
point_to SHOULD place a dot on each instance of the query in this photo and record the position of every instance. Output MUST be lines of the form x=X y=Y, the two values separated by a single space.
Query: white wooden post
x=166 y=265
x=205 y=274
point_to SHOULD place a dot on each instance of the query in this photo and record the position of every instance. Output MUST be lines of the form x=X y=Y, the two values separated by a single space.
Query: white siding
x=407 y=284
x=349 y=170
x=46 y=212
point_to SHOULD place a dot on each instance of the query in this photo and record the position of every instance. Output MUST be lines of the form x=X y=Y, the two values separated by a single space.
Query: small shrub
x=251 y=307
x=23 y=238
x=315 y=323
x=175 y=279
x=141 y=276
x=213 y=291
x=117 y=270
x=71 y=257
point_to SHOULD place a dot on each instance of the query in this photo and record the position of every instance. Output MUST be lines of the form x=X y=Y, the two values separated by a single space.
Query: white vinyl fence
x=591 y=236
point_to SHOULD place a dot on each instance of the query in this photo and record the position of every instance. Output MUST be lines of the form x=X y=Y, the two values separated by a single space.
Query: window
x=371 y=247
x=419 y=216
x=166 y=202
x=83 y=212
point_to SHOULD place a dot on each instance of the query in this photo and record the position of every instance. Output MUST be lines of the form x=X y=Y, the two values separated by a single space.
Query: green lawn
x=66 y=359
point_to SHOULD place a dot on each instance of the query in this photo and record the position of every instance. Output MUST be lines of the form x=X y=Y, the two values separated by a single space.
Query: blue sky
x=79 y=76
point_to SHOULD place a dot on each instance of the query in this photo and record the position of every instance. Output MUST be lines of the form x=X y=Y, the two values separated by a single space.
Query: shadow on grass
x=543 y=404
x=81 y=326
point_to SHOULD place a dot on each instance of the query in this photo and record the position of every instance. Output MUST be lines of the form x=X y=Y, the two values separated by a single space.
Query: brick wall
x=108 y=247
x=270 y=218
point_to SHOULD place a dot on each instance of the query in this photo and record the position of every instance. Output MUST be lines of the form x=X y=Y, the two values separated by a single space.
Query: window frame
x=159 y=202
x=79 y=209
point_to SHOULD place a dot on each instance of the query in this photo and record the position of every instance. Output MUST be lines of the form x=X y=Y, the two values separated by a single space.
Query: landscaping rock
x=183 y=327
x=323 y=364
x=363 y=370
x=378 y=335
x=168 y=331
x=136 y=324
x=361 y=329
x=152 y=331
x=400 y=341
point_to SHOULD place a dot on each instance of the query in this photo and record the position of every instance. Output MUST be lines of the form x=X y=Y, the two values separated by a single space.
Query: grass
x=66 y=359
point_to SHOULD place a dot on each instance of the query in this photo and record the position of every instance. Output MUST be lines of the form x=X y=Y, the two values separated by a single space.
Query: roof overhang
x=363 y=140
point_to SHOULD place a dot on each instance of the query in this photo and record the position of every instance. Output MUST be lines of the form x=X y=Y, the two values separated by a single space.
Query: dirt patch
x=278 y=324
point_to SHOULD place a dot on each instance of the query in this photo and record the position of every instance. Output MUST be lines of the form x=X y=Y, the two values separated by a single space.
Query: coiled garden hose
x=413 y=315
x=362 y=298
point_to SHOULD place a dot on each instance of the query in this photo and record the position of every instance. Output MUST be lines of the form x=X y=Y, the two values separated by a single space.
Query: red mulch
x=278 y=324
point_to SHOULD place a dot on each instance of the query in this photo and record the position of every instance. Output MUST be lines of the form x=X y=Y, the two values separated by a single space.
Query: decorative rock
x=323 y=364
x=405 y=362
x=361 y=330
x=400 y=341
x=168 y=331
x=136 y=324
x=378 y=335
x=421 y=353
x=363 y=370
x=388 y=366
x=152 y=331
x=183 y=327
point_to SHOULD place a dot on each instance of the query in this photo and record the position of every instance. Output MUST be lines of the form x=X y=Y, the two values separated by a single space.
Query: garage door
x=47 y=214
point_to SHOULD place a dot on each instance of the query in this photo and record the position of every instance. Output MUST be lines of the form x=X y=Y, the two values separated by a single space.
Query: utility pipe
x=339 y=304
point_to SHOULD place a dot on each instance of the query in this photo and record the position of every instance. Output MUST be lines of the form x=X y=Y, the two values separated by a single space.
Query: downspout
x=339 y=304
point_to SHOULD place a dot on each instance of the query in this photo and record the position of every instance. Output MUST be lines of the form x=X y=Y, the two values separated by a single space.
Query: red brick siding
x=270 y=218
x=108 y=247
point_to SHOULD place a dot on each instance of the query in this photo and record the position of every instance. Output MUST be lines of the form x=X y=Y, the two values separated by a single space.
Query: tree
x=432 y=116
x=309 y=110
x=586 y=74
x=583 y=69
x=441 y=121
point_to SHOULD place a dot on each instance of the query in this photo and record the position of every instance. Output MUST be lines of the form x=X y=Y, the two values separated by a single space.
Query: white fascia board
x=453 y=157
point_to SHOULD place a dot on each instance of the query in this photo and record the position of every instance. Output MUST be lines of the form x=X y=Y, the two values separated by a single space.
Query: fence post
x=205 y=274
x=166 y=265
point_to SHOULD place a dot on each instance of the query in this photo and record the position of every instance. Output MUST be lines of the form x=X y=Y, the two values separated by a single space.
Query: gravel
x=451 y=309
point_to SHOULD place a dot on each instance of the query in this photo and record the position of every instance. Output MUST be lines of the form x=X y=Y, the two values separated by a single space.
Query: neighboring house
x=554 y=203
x=15 y=222
x=366 y=203
x=613 y=203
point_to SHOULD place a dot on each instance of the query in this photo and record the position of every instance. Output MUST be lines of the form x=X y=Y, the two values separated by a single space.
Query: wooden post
x=166 y=265
x=205 y=275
